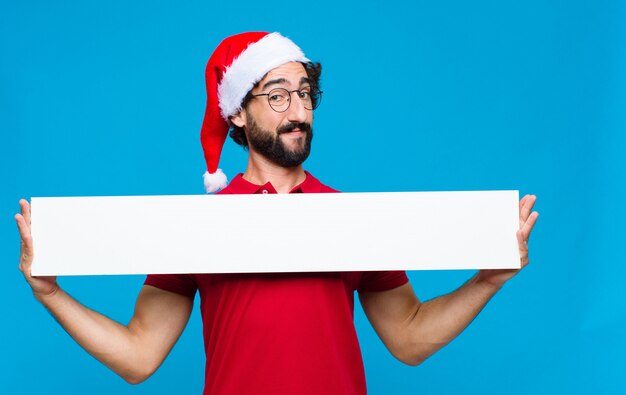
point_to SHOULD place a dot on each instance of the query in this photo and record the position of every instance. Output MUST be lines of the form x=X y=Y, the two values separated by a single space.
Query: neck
x=260 y=171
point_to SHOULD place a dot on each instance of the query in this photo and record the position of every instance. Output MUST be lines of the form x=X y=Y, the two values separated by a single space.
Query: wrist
x=486 y=280
x=46 y=296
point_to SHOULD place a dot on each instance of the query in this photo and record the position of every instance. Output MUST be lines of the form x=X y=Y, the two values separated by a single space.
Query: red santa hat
x=238 y=63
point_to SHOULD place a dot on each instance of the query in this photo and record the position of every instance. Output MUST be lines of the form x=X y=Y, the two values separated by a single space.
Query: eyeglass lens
x=280 y=98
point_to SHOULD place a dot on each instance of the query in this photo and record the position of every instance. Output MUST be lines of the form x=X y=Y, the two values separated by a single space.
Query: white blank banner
x=275 y=233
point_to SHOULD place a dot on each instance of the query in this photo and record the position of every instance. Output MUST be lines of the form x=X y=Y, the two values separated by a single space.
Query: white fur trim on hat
x=215 y=181
x=249 y=68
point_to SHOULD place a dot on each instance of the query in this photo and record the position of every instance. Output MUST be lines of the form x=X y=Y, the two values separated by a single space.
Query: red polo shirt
x=280 y=333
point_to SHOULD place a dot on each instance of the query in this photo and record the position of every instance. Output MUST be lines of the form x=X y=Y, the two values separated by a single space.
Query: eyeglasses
x=280 y=98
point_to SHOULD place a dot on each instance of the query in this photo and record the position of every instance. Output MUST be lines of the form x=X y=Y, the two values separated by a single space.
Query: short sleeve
x=183 y=284
x=382 y=281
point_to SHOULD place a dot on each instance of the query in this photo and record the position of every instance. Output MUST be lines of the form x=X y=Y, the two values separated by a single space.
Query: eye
x=304 y=95
x=277 y=97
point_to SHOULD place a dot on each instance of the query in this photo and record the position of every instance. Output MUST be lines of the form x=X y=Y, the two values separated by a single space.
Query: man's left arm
x=412 y=331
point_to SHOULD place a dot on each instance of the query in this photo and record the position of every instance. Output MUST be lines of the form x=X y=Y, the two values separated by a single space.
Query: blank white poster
x=275 y=233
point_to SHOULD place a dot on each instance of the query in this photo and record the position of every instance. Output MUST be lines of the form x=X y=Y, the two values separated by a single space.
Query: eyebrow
x=273 y=82
x=277 y=81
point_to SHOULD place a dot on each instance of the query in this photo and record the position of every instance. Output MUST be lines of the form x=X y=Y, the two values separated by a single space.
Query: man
x=270 y=333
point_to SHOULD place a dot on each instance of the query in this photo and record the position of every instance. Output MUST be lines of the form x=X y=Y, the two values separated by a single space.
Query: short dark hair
x=313 y=71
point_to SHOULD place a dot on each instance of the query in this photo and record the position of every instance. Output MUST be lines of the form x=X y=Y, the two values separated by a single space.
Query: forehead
x=292 y=72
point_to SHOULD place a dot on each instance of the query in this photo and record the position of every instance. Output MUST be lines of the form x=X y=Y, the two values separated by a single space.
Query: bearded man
x=278 y=333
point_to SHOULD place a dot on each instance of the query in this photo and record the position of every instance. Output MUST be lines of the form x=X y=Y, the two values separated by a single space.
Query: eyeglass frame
x=318 y=93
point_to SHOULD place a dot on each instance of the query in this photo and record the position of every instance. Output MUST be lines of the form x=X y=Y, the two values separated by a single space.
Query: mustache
x=303 y=126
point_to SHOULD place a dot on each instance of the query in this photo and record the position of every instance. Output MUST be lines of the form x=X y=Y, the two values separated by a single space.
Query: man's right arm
x=134 y=351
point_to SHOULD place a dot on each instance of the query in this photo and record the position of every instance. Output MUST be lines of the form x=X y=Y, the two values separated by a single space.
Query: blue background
x=107 y=98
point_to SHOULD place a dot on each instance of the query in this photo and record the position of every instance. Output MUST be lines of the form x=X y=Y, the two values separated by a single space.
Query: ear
x=239 y=119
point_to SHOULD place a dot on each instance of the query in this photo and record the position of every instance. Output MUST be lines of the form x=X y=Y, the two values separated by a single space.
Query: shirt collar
x=239 y=185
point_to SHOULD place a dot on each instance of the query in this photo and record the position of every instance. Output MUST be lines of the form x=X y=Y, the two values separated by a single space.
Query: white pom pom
x=214 y=182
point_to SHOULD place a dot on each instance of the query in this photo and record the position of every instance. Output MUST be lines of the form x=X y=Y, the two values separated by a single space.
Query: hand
x=527 y=219
x=42 y=286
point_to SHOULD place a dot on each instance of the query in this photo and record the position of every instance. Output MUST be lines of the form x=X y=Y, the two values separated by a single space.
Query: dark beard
x=272 y=147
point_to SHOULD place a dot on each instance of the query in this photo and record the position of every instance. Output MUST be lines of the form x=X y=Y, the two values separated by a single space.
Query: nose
x=296 y=111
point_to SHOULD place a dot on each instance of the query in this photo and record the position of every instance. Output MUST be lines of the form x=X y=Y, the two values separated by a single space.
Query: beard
x=272 y=147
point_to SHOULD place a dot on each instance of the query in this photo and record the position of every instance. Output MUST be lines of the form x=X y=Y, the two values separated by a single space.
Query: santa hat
x=238 y=63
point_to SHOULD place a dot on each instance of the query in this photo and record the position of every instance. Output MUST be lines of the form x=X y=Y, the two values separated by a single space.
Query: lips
x=292 y=131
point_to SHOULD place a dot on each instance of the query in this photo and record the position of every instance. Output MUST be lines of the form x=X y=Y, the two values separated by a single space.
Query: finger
x=25 y=207
x=526 y=208
x=529 y=224
x=27 y=241
x=528 y=204
x=523 y=248
x=521 y=240
x=522 y=202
